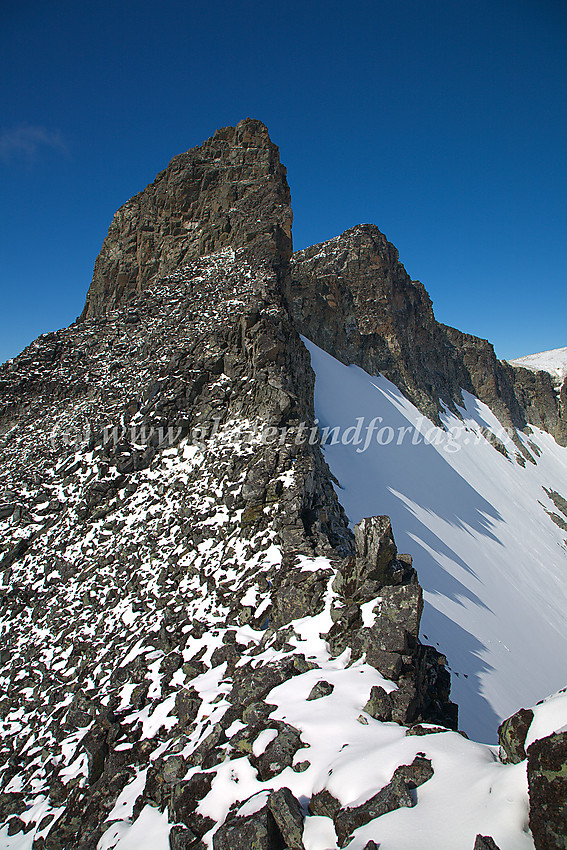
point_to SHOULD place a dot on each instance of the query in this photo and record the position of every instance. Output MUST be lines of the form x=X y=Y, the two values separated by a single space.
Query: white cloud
x=25 y=140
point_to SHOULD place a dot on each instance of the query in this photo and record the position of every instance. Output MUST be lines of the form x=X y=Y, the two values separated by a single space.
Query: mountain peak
x=231 y=191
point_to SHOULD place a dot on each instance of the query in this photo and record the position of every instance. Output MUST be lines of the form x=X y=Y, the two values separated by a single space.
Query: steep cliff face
x=172 y=549
x=230 y=191
x=353 y=298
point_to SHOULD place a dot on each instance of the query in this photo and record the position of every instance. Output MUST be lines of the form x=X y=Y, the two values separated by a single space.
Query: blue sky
x=444 y=123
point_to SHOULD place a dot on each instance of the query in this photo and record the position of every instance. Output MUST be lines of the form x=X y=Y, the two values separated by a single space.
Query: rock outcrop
x=546 y=765
x=184 y=610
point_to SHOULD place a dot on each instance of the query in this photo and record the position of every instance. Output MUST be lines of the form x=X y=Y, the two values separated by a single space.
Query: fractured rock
x=258 y=831
x=324 y=804
x=379 y=704
x=279 y=753
x=320 y=689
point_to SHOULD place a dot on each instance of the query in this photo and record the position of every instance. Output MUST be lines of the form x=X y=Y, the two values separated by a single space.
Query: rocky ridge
x=173 y=555
x=352 y=297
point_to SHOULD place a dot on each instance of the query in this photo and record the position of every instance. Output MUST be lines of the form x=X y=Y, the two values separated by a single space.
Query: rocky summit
x=198 y=651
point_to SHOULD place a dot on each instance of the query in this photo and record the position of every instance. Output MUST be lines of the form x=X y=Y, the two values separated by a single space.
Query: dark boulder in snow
x=324 y=804
x=181 y=838
x=279 y=753
x=321 y=689
x=258 y=831
x=396 y=794
x=299 y=594
x=184 y=800
x=277 y=825
x=253 y=683
x=512 y=735
x=379 y=705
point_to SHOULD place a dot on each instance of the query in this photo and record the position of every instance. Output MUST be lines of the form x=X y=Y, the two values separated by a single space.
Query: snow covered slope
x=554 y=362
x=492 y=562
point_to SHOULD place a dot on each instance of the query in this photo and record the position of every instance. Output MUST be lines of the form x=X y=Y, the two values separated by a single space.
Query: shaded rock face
x=353 y=298
x=547 y=782
x=164 y=522
x=230 y=191
x=276 y=826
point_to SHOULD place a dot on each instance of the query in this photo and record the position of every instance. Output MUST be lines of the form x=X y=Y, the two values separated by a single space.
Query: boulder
x=251 y=684
x=319 y=690
x=394 y=795
x=279 y=753
x=181 y=838
x=379 y=704
x=512 y=735
x=288 y=817
x=258 y=831
x=324 y=804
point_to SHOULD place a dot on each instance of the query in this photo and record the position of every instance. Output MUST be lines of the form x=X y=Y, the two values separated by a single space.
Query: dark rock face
x=324 y=804
x=321 y=689
x=229 y=192
x=254 y=832
x=279 y=753
x=379 y=705
x=547 y=782
x=353 y=298
x=288 y=817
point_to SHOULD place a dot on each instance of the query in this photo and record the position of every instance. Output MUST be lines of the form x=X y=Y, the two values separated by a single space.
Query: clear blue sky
x=444 y=123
